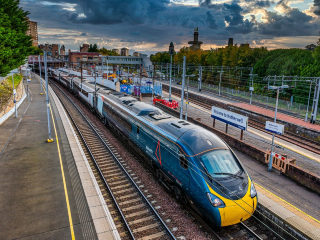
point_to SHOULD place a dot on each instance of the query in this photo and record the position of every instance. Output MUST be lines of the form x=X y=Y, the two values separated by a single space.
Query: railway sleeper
x=145 y=228
x=119 y=187
x=130 y=201
x=127 y=196
x=134 y=207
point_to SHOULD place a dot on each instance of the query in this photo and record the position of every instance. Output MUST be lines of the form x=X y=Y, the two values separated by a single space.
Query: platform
x=47 y=190
x=252 y=108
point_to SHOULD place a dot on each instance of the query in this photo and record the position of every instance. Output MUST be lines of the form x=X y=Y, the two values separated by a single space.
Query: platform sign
x=274 y=127
x=231 y=118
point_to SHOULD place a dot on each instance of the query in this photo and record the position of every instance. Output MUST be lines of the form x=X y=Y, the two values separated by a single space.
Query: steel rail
x=122 y=168
x=252 y=233
x=96 y=164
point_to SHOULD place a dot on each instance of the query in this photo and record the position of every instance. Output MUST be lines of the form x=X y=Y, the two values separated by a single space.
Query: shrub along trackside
x=6 y=89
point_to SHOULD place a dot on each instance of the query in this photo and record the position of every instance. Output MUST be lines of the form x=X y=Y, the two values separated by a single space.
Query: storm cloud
x=155 y=23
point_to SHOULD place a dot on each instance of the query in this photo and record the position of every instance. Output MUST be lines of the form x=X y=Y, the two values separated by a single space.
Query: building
x=230 y=42
x=62 y=50
x=33 y=32
x=136 y=54
x=311 y=47
x=124 y=52
x=53 y=49
x=84 y=48
x=75 y=57
x=195 y=44
x=115 y=50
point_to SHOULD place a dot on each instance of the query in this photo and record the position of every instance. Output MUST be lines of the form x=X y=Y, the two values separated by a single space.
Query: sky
x=148 y=26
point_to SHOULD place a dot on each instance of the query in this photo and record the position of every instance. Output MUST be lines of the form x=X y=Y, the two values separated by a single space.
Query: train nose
x=239 y=211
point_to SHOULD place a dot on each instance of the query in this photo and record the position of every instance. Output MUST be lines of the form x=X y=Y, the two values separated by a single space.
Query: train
x=194 y=164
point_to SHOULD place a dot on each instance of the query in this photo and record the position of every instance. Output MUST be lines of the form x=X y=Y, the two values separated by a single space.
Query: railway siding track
x=298 y=140
x=135 y=216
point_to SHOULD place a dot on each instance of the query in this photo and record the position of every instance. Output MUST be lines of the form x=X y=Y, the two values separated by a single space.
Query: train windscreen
x=221 y=163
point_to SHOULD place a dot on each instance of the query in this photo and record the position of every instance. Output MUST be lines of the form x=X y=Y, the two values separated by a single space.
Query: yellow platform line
x=316 y=220
x=63 y=177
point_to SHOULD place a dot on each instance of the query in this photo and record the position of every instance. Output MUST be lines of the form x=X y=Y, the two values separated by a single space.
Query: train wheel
x=159 y=175
x=177 y=194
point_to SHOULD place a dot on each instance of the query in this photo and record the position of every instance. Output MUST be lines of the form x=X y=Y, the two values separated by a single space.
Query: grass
x=6 y=88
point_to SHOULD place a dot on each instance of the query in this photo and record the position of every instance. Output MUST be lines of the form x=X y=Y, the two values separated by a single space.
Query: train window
x=138 y=129
x=183 y=161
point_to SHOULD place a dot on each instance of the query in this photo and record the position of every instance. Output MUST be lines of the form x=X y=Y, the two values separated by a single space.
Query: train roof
x=197 y=138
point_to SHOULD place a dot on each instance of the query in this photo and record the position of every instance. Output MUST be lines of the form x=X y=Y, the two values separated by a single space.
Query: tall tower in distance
x=195 y=44
x=33 y=32
x=230 y=42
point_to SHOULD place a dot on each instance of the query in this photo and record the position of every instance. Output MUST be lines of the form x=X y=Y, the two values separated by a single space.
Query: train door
x=183 y=169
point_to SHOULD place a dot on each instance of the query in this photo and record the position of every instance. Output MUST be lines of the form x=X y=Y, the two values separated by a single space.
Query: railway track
x=102 y=165
x=295 y=139
x=134 y=215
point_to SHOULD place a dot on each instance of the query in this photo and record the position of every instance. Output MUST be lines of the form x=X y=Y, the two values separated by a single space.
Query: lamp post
x=187 y=102
x=27 y=69
x=107 y=68
x=220 y=79
x=47 y=96
x=275 y=120
x=40 y=74
x=251 y=88
x=171 y=51
x=14 y=94
x=183 y=81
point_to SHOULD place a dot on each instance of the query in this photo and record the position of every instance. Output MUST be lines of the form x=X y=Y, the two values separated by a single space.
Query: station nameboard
x=274 y=127
x=231 y=118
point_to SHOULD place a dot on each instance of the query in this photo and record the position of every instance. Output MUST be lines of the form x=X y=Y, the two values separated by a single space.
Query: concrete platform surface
x=41 y=193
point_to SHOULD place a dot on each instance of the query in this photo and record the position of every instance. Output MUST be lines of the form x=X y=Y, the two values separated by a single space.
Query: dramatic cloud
x=293 y=23
x=117 y=11
x=145 y=24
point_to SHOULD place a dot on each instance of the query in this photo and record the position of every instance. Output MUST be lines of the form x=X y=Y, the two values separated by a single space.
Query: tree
x=93 y=48
x=36 y=51
x=15 y=45
x=107 y=52
x=316 y=54
x=318 y=42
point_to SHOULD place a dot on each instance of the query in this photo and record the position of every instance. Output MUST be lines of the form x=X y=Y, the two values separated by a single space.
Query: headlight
x=215 y=201
x=253 y=190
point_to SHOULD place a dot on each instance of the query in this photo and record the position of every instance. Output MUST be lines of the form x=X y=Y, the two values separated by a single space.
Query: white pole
x=187 y=103
x=275 y=120
x=14 y=97
x=183 y=81
x=306 y=119
x=40 y=75
x=170 y=77
x=47 y=96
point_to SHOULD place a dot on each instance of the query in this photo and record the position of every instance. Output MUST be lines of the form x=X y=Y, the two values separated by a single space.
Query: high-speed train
x=197 y=166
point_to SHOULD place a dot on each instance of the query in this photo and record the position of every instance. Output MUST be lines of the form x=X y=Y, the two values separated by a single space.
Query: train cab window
x=183 y=160
x=138 y=129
